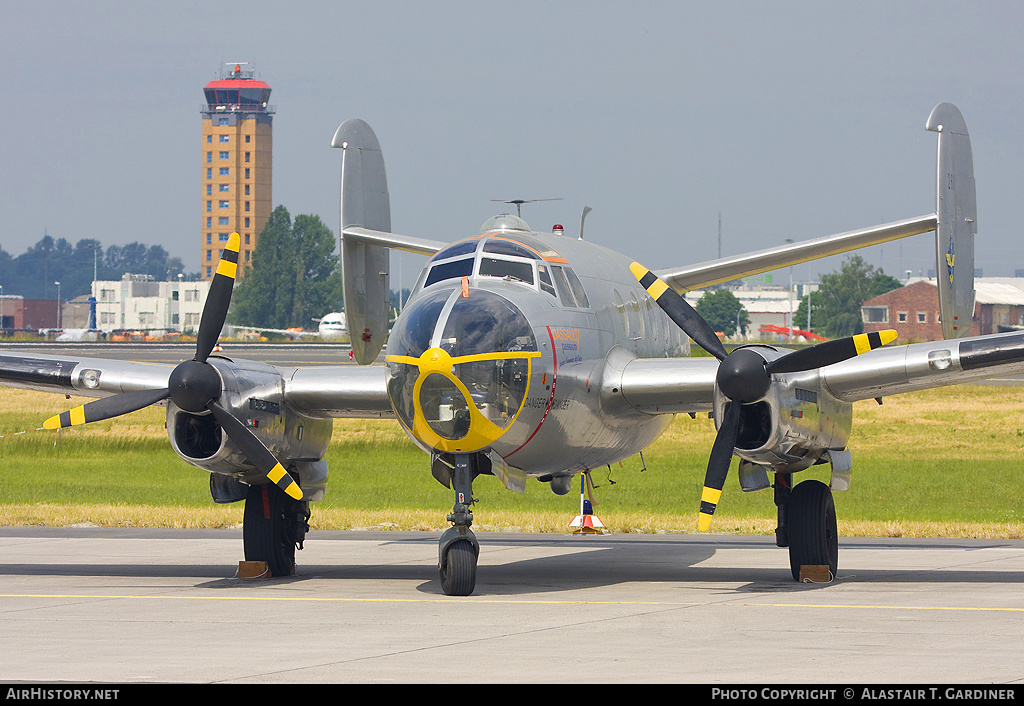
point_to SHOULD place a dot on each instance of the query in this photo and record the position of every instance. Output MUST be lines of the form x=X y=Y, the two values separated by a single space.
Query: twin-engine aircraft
x=525 y=354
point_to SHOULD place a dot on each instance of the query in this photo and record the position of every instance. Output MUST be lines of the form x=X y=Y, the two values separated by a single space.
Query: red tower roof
x=239 y=89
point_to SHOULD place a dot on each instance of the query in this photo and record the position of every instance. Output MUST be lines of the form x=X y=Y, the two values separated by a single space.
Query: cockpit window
x=577 y=289
x=413 y=337
x=564 y=292
x=465 y=247
x=501 y=246
x=545 y=280
x=486 y=323
x=465 y=391
x=514 y=269
x=449 y=270
x=570 y=289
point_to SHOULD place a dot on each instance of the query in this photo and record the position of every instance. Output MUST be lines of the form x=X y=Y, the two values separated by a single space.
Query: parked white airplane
x=329 y=327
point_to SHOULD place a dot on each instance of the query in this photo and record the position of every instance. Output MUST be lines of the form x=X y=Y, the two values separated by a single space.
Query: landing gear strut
x=458 y=548
x=273 y=525
x=807 y=524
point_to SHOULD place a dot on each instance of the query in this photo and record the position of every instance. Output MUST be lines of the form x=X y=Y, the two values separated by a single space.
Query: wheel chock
x=253 y=570
x=815 y=573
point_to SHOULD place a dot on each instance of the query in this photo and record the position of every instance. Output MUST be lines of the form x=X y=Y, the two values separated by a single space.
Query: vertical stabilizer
x=365 y=268
x=957 y=213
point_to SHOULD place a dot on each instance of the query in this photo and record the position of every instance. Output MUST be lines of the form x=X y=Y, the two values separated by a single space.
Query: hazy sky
x=792 y=120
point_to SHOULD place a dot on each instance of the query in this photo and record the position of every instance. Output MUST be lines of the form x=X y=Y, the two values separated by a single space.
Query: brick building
x=913 y=310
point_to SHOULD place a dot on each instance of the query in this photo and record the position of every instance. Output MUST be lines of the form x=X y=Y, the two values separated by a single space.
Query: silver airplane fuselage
x=531 y=324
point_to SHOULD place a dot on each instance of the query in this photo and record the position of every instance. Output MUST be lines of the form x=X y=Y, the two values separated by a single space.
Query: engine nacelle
x=254 y=393
x=795 y=425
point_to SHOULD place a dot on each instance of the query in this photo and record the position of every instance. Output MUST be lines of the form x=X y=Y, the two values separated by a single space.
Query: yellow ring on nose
x=482 y=431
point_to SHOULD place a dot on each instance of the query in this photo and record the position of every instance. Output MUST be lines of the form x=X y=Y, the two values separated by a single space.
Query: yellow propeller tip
x=638 y=270
x=52 y=423
x=703 y=522
x=294 y=491
x=888 y=336
x=234 y=242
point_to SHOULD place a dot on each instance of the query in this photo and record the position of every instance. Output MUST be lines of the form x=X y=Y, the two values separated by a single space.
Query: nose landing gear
x=458 y=548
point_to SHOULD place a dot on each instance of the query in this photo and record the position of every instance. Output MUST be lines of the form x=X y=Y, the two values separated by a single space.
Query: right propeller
x=743 y=375
x=194 y=385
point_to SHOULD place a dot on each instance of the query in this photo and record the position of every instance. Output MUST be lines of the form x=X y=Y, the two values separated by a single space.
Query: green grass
x=941 y=463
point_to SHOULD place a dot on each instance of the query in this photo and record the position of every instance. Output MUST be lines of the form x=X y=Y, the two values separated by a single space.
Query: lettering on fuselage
x=542 y=402
x=568 y=340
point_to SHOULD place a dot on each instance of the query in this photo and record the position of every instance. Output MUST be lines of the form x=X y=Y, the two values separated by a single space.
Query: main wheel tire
x=813 y=536
x=265 y=529
x=458 y=569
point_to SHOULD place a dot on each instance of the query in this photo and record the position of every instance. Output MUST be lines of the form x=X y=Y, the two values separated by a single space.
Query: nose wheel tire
x=813 y=537
x=458 y=569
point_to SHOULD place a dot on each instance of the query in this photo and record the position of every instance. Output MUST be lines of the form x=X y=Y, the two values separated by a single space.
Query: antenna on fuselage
x=586 y=210
x=519 y=203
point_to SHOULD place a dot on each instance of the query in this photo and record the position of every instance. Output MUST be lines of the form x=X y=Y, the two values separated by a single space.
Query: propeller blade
x=254 y=450
x=718 y=464
x=218 y=300
x=105 y=408
x=831 y=352
x=680 y=311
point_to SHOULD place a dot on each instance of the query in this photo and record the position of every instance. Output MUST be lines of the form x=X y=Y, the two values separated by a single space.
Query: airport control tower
x=236 y=159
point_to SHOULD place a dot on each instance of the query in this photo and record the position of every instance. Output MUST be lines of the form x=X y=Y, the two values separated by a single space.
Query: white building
x=137 y=303
x=766 y=307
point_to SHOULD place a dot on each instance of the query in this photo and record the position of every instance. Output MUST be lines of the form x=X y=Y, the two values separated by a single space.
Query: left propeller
x=743 y=376
x=194 y=385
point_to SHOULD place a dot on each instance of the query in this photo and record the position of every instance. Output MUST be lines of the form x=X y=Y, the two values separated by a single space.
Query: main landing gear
x=807 y=524
x=273 y=525
x=458 y=548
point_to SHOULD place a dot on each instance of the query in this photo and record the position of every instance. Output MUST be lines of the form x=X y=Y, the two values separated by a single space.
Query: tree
x=293 y=275
x=720 y=308
x=835 y=307
x=141 y=259
x=33 y=273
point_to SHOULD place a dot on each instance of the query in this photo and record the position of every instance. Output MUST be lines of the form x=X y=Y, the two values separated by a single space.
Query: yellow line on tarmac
x=832 y=606
x=898 y=607
x=329 y=600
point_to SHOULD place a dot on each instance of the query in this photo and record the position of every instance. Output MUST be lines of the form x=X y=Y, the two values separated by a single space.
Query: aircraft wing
x=75 y=375
x=339 y=391
x=919 y=366
x=330 y=391
x=687 y=385
x=704 y=274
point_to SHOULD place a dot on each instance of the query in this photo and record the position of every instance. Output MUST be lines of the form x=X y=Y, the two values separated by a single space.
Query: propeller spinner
x=743 y=375
x=194 y=385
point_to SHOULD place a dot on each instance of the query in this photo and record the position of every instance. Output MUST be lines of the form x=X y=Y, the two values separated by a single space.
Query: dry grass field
x=939 y=463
